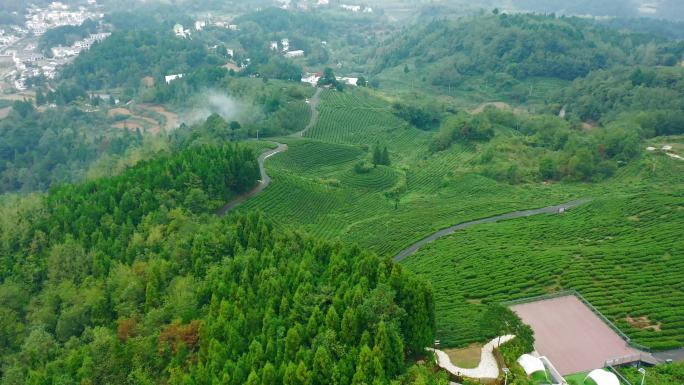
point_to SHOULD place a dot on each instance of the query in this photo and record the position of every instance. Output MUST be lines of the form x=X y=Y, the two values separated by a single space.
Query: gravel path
x=515 y=214
x=488 y=367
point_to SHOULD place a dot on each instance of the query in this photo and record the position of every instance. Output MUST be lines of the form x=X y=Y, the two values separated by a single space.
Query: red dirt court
x=570 y=335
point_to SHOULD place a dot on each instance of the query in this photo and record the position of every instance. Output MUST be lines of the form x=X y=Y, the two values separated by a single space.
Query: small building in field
x=181 y=32
x=312 y=78
x=347 y=80
x=168 y=79
x=603 y=377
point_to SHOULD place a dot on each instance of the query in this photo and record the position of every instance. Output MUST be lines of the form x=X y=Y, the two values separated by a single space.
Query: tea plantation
x=315 y=186
x=612 y=250
x=623 y=252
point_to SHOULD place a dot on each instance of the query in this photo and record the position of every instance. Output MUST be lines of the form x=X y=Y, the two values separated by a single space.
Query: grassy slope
x=623 y=252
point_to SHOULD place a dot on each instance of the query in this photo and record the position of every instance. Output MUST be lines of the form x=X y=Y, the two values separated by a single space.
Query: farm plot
x=356 y=118
x=571 y=335
x=623 y=252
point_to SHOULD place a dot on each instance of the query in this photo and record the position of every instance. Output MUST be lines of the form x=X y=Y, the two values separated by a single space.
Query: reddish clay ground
x=570 y=335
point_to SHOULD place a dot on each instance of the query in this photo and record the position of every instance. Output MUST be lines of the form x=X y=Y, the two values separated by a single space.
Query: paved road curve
x=263 y=182
x=674 y=355
x=313 y=118
x=515 y=214
x=265 y=179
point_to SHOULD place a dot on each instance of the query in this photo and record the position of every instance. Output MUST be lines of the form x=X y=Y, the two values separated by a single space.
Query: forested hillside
x=520 y=46
x=39 y=149
x=602 y=96
x=126 y=57
x=117 y=281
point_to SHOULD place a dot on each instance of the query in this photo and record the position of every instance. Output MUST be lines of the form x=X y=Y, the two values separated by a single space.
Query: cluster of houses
x=77 y=47
x=287 y=4
x=25 y=62
x=183 y=33
x=30 y=63
x=39 y=20
x=356 y=8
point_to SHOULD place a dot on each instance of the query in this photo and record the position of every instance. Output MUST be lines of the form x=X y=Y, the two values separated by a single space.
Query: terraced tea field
x=624 y=252
x=314 y=184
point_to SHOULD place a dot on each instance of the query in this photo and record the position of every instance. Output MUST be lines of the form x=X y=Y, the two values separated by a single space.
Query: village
x=21 y=60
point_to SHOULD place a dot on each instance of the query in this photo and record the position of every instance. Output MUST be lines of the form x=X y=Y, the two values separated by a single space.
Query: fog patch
x=216 y=102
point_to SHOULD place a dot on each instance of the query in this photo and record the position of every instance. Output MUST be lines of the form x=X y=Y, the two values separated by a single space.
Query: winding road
x=515 y=214
x=410 y=250
x=265 y=179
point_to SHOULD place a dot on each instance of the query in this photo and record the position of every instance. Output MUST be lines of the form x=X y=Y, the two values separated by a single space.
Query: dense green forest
x=117 y=281
x=126 y=57
x=519 y=47
x=40 y=149
x=656 y=92
x=66 y=35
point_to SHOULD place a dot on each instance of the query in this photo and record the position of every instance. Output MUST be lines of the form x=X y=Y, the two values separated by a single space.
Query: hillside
x=123 y=278
x=507 y=53
x=238 y=226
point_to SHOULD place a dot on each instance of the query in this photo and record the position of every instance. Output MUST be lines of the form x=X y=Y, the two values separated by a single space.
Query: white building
x=233 y=27
x=274 y=46
x=311 y=79
x=295 y=53
x=353 y=8
x=168 y=79
x=347 y=80
x=199 y=25
x=285 y=43
x=181 y=32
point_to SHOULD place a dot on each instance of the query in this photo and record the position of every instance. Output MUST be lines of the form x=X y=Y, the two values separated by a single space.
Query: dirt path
x=515 y=214
x=171 y=120
x=313 y=118
x=488 y=367
x=265 y=179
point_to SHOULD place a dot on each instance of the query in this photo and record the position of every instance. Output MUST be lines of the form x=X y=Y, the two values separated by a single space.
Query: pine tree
x=253 y=378
x=322 y=366
x=292 y=342
x=385 y=157
x=388 y=349
x=268 y=374
x=332 y=320
x=377 y=155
